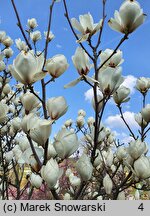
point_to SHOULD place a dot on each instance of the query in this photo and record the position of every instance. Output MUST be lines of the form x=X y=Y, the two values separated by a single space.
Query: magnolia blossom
x=129 y=17
x=84 y=167
x=108 y=184
x=143 y=84
x=65 y=143
x=2 y=36
x=3 y=112
x=35 y=36
x=9 y=156
x=56 y=107
x=86 y=27
x=139 y=119
x=23 y=143
x=8 y=52
x=121 y=95
x=27 y=68
x=39 y=129
x=146 y=113
x=142 y=167
x=6 y=89
x=57 y=65
x=121 y=153
x=16 y=124
x=100 y=102
x=36 y=180
x=21 y=45
x=115 y=61
x=7 y=41
x=2 y=66
x=51 y=152
x=110 y=79
x=68 y=123
x=32 y=23
x=121 y=196
x=137 y=148
x=81 y=61
x=74 y=180
x=29 y=101
x=51 y=173
x=50 y=35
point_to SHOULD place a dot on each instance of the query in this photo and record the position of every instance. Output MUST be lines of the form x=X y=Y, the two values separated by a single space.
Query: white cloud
x=123 y=137
x=115 y=121
x=58 y=46
x=89 y=94
x=130 y=82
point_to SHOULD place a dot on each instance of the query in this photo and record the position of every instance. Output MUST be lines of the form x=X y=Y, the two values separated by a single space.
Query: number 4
x=141 y=207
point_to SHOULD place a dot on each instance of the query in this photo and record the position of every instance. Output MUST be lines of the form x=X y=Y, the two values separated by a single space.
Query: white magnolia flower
x=23 y=143
x=2 y=66
x=109 y=80
x=35 y=36
x=51 y=152
x=51 y=173
x=32 y=23
x=6 y=89
x=121 y=153
x=8 y=52
x=16 y=124
x=3 y=112
x=2 y=36
x=80 y=121
x=142 y=167
x=115 y=61
x=36 y=180
x=68 y=123
x=137 y=148
x=50 y=36
x=108 y=184
x=84 y=167
x=86 y=26
x=67 y=196
x=65 y=143
x=27 y=68
x=74 y=180
x=21 y=45
x=29 y=101
x=81 y=61
x=57 y=65
x=100 y=102
x=90 y=121
x=9 y=156
x=81 y=112
x=143 y=84
x=39 y=129
x=146 y=113
x=129 y=17
x=121 y=196
x=56 y=107
x=7 y=41
x=121 y=95
x=139 y=119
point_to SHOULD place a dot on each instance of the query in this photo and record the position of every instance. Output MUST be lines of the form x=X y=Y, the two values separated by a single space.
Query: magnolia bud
x=68 y=123
x=36 y=180
x=67 y=196
x=139 y=119
x=66 y=143
x=9 y=156
x=146 y=113
x=56 y=107
x=21 y=45
x=8 y=52
x=51 y=153
x=121 y=153
x=74 y=180
x=81 y=112
x=108 y=184
x=84 y=167
x=2 y=36
x=57 y=65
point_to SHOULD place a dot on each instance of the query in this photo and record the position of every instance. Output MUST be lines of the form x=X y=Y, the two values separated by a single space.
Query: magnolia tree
x=83 y=160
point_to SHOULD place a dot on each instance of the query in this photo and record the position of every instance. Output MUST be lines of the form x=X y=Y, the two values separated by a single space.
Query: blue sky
x=135 y=50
